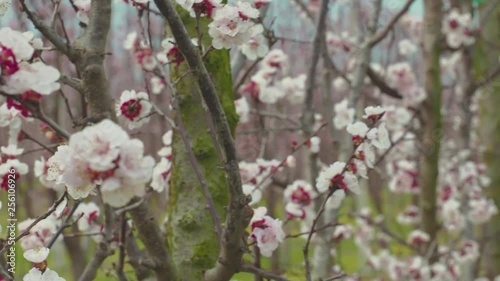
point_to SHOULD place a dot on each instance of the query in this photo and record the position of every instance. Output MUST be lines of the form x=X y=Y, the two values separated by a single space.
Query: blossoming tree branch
x=256 y=140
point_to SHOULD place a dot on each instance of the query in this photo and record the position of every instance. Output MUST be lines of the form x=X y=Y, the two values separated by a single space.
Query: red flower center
x=300 y=196
x=338 y=180
x=8 y=62
x=259 y=224
x=5 y=180
x=175 y=56
x=204 y=7
x=453 y=23
x=131 y=109
x=92 y=217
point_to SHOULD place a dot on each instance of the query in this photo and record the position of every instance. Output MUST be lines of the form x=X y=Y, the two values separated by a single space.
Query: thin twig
x=127 y=208
x=282 y=163
x=36 y=221
x=73 y=82
x=65 y=224
x=333 y=224
x=28 y=136
x=336 y=277
x=262 y=273
x=321 y=210
x=121 y=257
x=381 y=34
x=48 y=32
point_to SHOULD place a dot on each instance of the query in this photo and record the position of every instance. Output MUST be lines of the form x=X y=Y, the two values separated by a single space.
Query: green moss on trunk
x=490 y=133
x=191 y=232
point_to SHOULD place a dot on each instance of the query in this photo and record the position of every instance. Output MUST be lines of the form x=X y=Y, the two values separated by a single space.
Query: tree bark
x=490 y=132
x=191 y=233
x=431 y=120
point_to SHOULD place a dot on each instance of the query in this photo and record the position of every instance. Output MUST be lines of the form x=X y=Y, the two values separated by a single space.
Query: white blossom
x=48 y=275
x=37 y=77
x=36 y=255
x=343 y=115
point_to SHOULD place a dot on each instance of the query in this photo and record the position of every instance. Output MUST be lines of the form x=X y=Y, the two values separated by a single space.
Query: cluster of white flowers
x=266 y=231
x=258 y=173
x=171 y=53
x=337 y=177
x=418 y=237
x=40 y=271
x=254 y=192
x=232 y=24
x=142 y=52
x=481 y=210
x=313 y=144
x=300 y=197
x=343 y=115
x=18 y=74
x=341 y=176
x=410 y=216
x=8 y=161
x=401 y=77
x=461 y=192
x=458 y=29
x=242 y=109
x=135 y=108
x=404 y=179
x=415 y=268
x=39 y=236
x=406 y=47
x=137 y=3
x=257 y=46
x=200 y=7
x=343 y=43
x=48 y=179
x=271 y=82
x=157 y=85
x=88 y=222
x=162 y=170
x=102 y=155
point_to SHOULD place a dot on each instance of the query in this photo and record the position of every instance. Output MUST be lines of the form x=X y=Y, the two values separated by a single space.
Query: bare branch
x=381 y=84
x=129 y=207
x=308 y=116
x=73 y=82
x=485 y=81
x=28 y=136
x=36 y=221
x=48 y=32
x=65 y=224
x=383 y=33
x=37 y=112
x=102 y=252
x=262 y=273
x=154 y=241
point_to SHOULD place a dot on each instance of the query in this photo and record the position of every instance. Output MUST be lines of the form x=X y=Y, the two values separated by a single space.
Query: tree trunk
x=490 y=132
x=191 y=231
x=431 y=119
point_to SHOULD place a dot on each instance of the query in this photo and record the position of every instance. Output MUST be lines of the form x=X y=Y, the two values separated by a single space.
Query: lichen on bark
x=191 y=232
x=490 y=132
